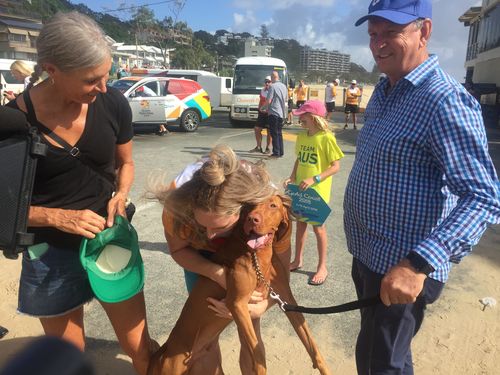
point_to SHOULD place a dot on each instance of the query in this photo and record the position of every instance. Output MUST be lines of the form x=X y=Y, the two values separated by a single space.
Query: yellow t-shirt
x=352 y=95
x=315 y=154
x=301 y=92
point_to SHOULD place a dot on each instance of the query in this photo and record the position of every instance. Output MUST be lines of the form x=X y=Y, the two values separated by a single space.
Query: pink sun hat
x=315 y=107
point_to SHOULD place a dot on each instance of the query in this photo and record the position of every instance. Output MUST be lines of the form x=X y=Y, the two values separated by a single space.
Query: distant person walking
x=122 y=72
x=263 y=119
x=330 y=96
x=353 y=93
x=276 y=99
x=301 y=93
x=317 y=160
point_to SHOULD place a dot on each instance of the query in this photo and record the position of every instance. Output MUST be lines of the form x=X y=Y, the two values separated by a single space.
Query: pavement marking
x=286 y=136
x=292 y=137
x=494 y=143
x=289 y=137
x=237 y=134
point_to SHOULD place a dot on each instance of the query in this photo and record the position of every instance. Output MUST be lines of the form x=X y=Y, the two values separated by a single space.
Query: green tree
x=144 y=21
x=207 y=39
x=220 y=32
x=289 y=52
x=167 y=23
x=264 y=32
x=193 y=57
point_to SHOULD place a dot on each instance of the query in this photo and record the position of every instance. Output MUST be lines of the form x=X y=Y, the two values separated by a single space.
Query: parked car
x=160 y=100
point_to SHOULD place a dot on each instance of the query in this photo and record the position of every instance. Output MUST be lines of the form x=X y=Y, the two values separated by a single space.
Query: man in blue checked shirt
x=422 y=189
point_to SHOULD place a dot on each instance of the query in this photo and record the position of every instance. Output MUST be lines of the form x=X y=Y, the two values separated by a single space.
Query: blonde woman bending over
x=202 y=207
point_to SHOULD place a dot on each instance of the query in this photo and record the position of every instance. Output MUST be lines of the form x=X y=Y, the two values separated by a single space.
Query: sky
x=317 y=23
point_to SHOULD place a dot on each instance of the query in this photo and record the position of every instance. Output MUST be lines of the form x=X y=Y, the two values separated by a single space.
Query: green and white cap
x=113 y=262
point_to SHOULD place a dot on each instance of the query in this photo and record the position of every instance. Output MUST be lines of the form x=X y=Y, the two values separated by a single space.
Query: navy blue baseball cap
x=398 y=11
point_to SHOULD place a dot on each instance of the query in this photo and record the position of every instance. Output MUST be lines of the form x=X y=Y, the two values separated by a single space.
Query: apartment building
x=174 y=35
x=322 y=60
x=256 y=48
x=18 y=37
x=140 y=55
x=482 y=62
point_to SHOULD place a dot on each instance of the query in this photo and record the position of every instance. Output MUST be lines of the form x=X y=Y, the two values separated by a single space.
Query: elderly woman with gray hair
x=73 y=191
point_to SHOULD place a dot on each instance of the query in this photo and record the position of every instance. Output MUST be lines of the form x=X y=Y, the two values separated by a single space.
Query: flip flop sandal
x=316 y=283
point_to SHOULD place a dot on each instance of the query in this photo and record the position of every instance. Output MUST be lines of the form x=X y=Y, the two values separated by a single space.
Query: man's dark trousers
x=275 y=129
x=384 y=341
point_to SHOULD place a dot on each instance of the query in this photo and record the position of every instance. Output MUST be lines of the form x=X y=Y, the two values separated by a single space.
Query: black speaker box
x=18 y=158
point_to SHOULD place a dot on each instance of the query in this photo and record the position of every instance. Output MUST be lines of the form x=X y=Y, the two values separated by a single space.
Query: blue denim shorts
x=192 y=277
x=53 y=284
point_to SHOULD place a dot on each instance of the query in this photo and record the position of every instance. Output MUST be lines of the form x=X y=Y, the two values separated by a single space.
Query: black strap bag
x=20 y=148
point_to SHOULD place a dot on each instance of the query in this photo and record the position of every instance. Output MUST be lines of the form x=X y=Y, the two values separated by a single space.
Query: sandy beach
x=458 y=337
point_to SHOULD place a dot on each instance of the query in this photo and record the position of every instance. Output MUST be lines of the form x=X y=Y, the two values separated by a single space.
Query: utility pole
x=136 y=51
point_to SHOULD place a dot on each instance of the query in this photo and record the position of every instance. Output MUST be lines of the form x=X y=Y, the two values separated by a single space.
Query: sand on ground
x=457 y=337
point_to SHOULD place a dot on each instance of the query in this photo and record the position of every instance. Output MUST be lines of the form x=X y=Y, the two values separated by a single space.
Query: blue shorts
x=192 y=277
x=54 y=284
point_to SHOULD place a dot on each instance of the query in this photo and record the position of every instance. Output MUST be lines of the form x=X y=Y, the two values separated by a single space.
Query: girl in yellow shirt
x=317 y=160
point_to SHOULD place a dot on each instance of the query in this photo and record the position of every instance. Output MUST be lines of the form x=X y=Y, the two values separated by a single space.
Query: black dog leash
x=354 y=305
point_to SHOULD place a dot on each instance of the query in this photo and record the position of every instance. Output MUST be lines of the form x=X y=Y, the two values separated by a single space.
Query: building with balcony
x=173 y=35
x=255 y=48
x=482 y=61
x=18 y=37
x=322 y=60
x=141 y=56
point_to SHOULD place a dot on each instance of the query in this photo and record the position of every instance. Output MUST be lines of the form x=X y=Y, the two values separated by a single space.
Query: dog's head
x=266 y=222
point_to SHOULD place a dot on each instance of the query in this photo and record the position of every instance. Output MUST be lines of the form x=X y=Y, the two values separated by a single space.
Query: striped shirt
x=422 y=179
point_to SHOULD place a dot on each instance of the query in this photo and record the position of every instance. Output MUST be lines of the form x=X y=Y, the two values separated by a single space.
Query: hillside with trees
x=191 y=50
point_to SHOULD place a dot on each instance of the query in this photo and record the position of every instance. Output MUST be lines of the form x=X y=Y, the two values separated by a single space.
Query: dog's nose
x=255 y=218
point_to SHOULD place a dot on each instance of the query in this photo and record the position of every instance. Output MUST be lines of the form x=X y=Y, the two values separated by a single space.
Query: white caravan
x=218 y=88
x=249 y=75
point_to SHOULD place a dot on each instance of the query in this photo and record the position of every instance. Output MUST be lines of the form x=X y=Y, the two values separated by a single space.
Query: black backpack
x=20 y=148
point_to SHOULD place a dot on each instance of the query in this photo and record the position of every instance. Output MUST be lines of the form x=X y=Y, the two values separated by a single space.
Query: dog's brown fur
x=198 y=326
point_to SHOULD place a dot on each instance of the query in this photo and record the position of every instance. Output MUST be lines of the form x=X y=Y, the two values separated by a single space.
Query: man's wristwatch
x=317 y=178
x=419 y=263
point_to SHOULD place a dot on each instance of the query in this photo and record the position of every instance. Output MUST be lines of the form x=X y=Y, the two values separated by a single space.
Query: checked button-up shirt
x=422 y=179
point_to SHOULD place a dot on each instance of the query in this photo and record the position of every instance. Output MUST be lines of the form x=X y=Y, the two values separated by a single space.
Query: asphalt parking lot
x=163 y=157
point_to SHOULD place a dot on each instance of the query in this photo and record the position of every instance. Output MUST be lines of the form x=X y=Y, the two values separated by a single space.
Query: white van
x=249 y=74
x=7 y=80
x=218 y=88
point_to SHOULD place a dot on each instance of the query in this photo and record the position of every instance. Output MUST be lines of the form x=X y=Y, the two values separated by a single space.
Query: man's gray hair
x=72 y=41
x=419 y=22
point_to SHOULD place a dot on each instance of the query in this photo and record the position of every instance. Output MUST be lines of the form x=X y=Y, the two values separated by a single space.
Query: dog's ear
x=282 y=237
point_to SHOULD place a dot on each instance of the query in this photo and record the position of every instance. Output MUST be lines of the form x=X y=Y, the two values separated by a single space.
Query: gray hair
x=71 y=41
x=419 y=23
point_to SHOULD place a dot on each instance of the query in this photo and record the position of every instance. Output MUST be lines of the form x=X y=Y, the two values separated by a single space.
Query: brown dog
x=264 y=230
